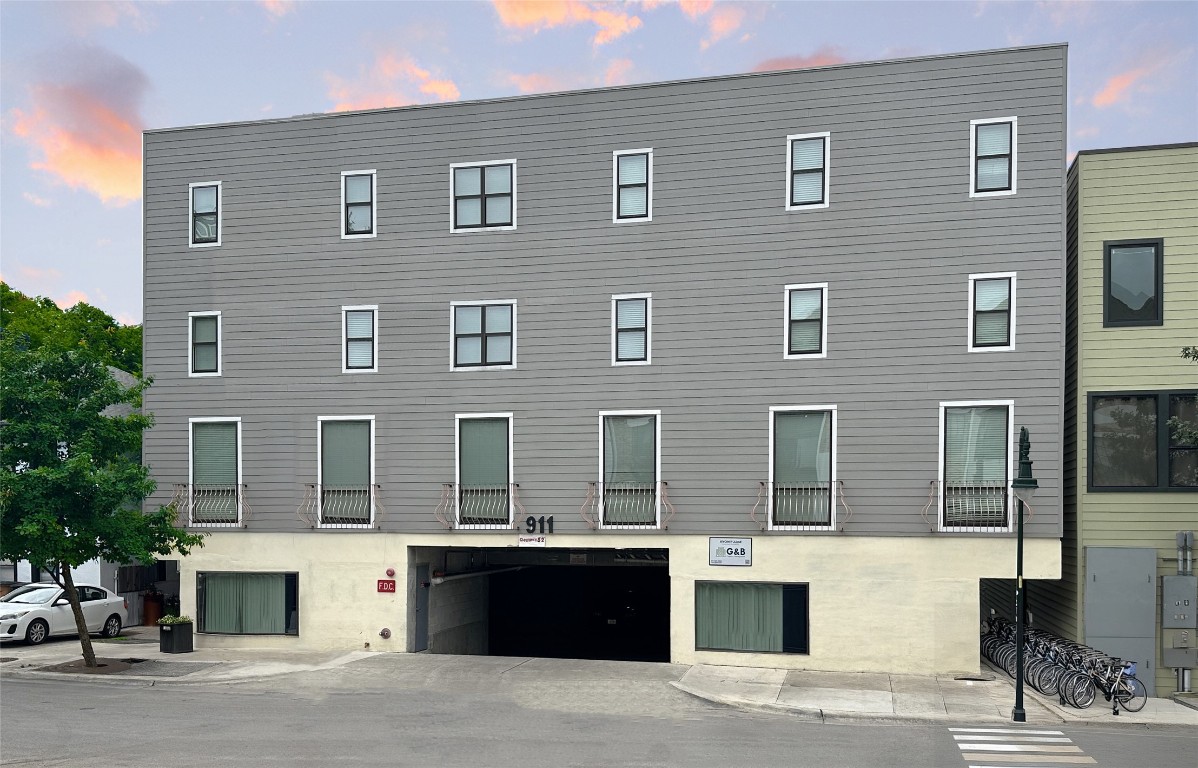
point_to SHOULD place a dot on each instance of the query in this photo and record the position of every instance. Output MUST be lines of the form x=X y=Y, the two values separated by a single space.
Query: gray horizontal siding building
x=804 y=309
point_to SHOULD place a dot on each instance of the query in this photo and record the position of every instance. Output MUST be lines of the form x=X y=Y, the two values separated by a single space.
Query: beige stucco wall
x=908 y=604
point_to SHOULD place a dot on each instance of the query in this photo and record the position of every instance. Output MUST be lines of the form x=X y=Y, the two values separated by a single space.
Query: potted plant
x=174 y=634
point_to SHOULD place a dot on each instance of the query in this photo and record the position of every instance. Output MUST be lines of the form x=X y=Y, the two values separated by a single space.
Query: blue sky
x=80 y=81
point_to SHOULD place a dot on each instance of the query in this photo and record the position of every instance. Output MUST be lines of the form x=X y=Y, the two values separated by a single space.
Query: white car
x=36 y=611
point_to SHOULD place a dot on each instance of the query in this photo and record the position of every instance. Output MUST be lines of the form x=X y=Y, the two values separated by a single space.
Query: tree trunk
x=68 y=583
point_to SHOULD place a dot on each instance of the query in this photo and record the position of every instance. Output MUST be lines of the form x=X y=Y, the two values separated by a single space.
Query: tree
x=38 y=322
x=71 y=480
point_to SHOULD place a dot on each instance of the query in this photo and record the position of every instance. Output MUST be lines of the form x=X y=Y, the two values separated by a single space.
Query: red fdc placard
x=386 y=585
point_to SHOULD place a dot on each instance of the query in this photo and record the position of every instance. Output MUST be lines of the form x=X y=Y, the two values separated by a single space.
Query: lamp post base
x=1018 y=715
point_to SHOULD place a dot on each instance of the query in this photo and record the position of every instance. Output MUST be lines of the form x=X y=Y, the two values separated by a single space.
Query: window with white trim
x=359 y=330
x=802 y=467
x=484 y=334
x=204 y=204
x=359 y=206
x=630 y=468
x=975 y=466
x=484 y=470
x=204 y=342
x=631 y=317
x=806 y=331
x=632 y=180
x=482 y=195
x=994 y=156
x=808 y=157
x=345 y=447
x=992 y=312
x=214 y=493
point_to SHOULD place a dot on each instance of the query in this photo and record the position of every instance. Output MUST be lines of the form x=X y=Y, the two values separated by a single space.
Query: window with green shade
x=346 y=469
x=215 y=480
x=751 y=617
x=205 y=343
x=630 y=469
x=484 y=481
x=802 y=472
x=247 y=603
x=977 y=458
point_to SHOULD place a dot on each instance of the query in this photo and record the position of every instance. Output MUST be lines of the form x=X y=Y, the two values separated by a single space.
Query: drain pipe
x=454 y=577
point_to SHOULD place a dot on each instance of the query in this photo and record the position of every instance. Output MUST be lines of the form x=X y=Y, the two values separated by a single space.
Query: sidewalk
x=822 y=696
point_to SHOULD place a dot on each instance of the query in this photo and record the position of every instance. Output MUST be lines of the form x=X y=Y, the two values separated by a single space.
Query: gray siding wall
x=896 y=247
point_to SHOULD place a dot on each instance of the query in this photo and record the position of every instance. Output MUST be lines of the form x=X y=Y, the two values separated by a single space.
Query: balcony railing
x=976 y=505
x=467 y=506
x=330 y=506
x=801 y=505
x=628 y=505
x=211 y=505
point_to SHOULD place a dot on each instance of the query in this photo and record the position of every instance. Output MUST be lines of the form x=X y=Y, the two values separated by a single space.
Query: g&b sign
x=730 y=551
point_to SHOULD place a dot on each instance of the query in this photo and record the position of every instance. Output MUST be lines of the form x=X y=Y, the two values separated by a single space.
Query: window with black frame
x=633 y=194
x=205 y=214
x=205 y=343
x=993 y=156
x=752 y=617
x=991 y=312
x=808 y=169
x=247 y=603
x=358 y=190
x=631 y=329
x=1133 y=283
x=484 y=196
x=1143 y=441
x=359 y=339
x=483 y=335
x=805 y=320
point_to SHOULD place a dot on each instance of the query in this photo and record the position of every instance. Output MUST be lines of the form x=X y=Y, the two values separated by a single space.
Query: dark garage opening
x=590 y=612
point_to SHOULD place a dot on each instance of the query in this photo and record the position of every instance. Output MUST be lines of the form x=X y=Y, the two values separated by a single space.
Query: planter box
x=174 y=638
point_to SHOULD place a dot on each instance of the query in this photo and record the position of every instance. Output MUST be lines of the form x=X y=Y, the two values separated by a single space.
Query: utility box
x=1179 y=602
x=1179 y=648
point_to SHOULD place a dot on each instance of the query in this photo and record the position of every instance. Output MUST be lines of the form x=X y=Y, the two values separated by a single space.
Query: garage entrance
x=574 y=604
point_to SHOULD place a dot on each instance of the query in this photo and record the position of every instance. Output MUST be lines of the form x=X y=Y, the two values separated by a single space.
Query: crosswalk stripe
x=1073 y=759
x=1020 y=747
x=1007 y=730
x=1036 y=739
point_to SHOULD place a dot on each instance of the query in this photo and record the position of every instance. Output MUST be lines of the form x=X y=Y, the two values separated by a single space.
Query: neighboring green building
x=1131 y=471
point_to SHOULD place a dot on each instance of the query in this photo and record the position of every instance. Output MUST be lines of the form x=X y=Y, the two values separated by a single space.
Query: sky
x=80 y=81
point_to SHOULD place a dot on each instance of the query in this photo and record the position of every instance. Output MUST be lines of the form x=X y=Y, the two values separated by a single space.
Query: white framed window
x=359 y=204
x=993 y=156
x=345 y=471
x=805 y=333
x=992 y=312
x=632 y=329
x=976 y=454
x=808 y=170
x=482 y=335
x=204 y=344
x=482 y=196
x=360 y=339
x=205 y=208
x=802 y=480
x=630 y=469
x=483 y=470
x=214 y=471
x=632 y=185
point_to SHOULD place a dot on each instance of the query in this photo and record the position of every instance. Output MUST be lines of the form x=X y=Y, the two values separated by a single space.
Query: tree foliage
x=71 y=479
x=35 y=323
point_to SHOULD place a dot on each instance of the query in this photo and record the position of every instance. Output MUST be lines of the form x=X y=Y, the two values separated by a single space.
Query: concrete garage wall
x=875 y=604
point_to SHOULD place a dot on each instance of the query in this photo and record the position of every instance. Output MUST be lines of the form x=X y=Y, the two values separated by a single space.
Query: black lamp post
x=1024 y=487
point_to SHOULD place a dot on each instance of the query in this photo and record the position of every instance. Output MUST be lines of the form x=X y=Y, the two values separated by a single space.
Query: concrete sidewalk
x=823 y=696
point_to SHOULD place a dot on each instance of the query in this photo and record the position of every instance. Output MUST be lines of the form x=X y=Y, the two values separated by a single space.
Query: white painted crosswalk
x=1017 y=748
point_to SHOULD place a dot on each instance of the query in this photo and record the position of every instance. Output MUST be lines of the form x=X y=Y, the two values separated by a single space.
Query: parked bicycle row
x=1073 y=672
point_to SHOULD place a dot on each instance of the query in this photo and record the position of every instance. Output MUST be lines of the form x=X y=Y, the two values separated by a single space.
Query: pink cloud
x=71 y=299
x=724 y=20
x=823 y=57
x=695 y=8
x=390 y=81
x=84 y=18
x=1117 y=88
x=37 y=200
x=39 y=276
x=84 y=126
x=278 y=8
x=617 y=72
x=537 y=15
x=537 y=82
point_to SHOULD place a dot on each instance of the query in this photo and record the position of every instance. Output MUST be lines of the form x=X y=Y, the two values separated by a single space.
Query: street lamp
x=1024 y=487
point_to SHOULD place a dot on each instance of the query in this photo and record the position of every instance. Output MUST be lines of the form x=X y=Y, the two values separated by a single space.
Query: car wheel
x=37 y=632
x=112 y=627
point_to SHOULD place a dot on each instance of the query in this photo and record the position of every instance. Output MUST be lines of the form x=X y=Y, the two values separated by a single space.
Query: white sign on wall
x=531 y=541
x=730 y=551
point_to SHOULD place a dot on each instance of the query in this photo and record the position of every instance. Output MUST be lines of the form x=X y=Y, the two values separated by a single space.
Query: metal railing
x=801 y=505
x=628 y=505
x=465 y=506
x=327 y=506
x=976 y=505
x=211 y=505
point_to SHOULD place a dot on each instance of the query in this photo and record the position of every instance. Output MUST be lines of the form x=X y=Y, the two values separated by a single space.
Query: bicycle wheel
x=1082 y=692
x=1132 y=695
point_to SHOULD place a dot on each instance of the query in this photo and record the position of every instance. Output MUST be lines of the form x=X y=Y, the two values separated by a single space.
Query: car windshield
x=31 y=596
